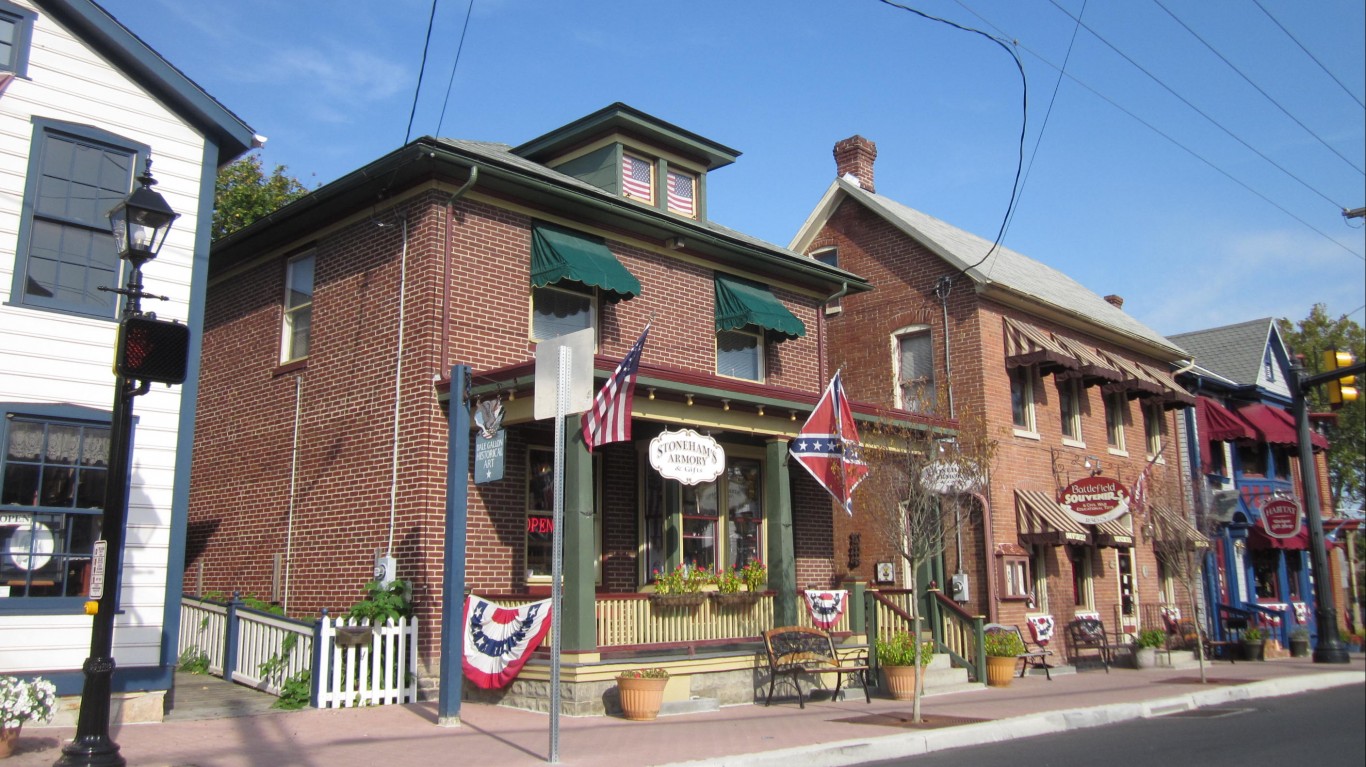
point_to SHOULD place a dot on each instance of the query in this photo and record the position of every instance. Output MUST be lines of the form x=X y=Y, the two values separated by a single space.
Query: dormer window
x=638 y=178
x=682 y=193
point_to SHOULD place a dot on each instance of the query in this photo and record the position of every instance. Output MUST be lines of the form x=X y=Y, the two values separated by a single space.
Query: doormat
x=903 y=719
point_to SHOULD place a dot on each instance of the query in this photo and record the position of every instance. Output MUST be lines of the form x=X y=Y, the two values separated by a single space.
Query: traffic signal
x=153 y=350
x=1344 y=389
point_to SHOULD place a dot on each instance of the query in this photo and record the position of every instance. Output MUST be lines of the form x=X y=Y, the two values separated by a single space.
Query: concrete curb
x=862 y=750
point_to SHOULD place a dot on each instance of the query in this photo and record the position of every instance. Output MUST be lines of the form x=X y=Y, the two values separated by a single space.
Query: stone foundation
x=124 y=708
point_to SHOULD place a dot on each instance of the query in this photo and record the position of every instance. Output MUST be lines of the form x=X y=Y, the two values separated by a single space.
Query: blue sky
x=1197 y=221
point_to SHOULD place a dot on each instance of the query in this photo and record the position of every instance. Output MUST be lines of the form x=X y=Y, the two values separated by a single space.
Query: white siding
x=48 y=357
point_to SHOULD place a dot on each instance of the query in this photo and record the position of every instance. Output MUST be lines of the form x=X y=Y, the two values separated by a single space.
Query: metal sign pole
x=557 y=551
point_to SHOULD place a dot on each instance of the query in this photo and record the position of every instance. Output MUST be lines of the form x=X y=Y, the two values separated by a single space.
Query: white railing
x=203 y=628
x=271 y=649
x=362 y=665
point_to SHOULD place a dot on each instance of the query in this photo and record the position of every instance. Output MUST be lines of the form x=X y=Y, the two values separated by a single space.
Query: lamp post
x=139 y=225
x=1329 y=648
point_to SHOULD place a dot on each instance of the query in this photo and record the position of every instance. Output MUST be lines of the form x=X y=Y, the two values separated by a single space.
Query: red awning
x=1258 y=539
x=1218 y=423
x=1276 y=426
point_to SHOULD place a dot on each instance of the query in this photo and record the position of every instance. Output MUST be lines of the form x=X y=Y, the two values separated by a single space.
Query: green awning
x=558 y=254
x=740 y=303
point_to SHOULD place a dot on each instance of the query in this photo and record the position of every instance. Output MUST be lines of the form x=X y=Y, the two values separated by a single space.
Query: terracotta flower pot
x=900 y=681
x=641 y=697
x=1000 y=671
x=9 y=738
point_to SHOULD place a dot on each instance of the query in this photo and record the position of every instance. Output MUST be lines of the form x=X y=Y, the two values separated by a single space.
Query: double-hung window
x=556 y=311
x=740 y=354
x=52 y=478
x=1154 y=428
x=829 y=257
x=1070 y=395
x=66 y=252
x=682 y=193
x=1022 y=398
x=1081 y=576
x=16 y=30
x=638 y=178
x=298 y=325
x=1116 y=413
x=914 y=370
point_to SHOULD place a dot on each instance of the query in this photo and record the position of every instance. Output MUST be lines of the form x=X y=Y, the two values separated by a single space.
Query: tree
x=1347 y=457
x=1182 y=549
x=917 y=497
x=243 y=194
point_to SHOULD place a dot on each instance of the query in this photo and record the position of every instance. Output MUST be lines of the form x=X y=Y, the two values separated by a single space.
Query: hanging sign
x=687 y=456
x=945 y=478
x=489 y=441
x=1281 y=517
x=1094 y=500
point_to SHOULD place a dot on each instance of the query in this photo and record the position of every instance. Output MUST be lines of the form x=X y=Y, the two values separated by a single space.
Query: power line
x=1174 y=142
x=1197 y=110
x=421 y=71
x=1311 y=56
x=1248 y=80
x=458 y=48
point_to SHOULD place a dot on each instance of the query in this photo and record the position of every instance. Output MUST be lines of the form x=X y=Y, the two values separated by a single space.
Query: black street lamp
x=139 y=225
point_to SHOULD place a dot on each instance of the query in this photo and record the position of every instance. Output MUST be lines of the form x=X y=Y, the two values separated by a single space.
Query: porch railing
x=961 y=634
x=1275 y=624
x=240 y=644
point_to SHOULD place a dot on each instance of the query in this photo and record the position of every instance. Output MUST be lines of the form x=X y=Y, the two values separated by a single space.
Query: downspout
x=293 y=476
x=821 y=366
x=988 y=543
x=446 y=274
x=398 y=386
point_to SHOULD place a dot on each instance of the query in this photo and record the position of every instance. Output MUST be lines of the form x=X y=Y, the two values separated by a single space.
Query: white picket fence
x=369 y=666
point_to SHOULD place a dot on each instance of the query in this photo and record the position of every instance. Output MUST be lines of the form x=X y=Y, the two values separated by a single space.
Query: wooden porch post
x=782 y=561
x=579 y=624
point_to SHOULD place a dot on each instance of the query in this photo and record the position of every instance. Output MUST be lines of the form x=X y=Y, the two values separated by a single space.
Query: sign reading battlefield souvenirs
x=1281 y=517
x=1094 y=500
x=687 y=456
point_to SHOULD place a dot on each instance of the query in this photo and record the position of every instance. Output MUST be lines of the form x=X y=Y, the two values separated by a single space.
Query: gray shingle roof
x=1234 y=352
x=1008 y=268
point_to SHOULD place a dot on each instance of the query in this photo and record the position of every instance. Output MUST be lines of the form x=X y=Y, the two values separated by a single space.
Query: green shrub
x=383 y=602
x=900 y=651
x=1253 y=634
x=1151 y=638
x=296 y=692
x=194 y=661
x=1003 y=644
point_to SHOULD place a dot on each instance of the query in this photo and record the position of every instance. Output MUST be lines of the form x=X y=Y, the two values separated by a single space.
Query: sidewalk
x=739 y=736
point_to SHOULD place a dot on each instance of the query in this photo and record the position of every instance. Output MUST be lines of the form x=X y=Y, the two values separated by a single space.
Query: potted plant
x=1003 y=649
x=642 y=692
x=681 y=586
x=22 y=700
x=1145 y=647
x=896 y=658
x=728 y=593
x=1299 y=642
x=1253 y=649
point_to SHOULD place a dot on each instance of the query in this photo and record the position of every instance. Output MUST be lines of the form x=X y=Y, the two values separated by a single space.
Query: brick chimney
x=1115 y=301
x=854 y=157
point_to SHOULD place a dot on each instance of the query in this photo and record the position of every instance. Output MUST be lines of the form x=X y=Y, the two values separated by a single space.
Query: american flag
x=635 y=177
x=609 y=420
x=680 y=194
x=828 y=446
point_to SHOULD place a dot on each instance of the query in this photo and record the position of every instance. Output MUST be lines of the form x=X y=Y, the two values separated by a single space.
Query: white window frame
x=1024 y=375
x=760 y=350
x=590 y=295
x=292 y=315
x=654 y=174
x=1071 y=394
x=1087 y=580
x=830 y=256
x=1154 y=429
x=913 y=333
x=1116 y=418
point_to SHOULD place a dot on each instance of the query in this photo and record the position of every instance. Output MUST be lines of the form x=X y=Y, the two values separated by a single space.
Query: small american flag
x=635 y=177
x=680 y=194
x=609 y=420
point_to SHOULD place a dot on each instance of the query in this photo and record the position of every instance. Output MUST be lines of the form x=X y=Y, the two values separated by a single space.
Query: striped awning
x=1028 y=345
x=1042 y=520
x=1175 y=395
x=1117 y=533
x=1133 y=381
x=1172 y=526
x=1093 y=367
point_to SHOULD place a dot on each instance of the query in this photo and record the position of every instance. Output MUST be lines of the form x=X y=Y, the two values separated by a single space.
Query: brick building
x=330 y=334
x=1067 y=383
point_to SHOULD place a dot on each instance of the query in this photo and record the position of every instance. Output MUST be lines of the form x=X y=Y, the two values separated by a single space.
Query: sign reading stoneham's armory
x=687 y=456
x=1281 y=517
x=1095 y=500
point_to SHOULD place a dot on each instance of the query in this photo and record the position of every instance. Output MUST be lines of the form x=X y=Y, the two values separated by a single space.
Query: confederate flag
x=828 y=446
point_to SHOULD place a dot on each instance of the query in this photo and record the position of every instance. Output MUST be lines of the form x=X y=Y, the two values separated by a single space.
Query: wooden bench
x=1089 y=634
x=794 y=651
x=1035 y=654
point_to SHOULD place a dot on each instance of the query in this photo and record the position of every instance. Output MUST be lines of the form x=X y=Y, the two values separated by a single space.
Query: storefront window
x=708 y=534
x=1081 y=575
x=1266 y=567
x=540 y=516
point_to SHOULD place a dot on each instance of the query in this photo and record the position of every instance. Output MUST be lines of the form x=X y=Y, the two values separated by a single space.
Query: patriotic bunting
x=826 y=607
x=499 y=640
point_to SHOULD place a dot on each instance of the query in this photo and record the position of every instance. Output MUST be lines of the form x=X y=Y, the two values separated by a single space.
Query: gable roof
x=1233 y=352
x=128 y=52
x=1006 y=276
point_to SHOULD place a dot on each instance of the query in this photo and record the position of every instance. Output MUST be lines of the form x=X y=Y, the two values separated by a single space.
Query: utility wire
x=422 y=70
x=1197 y=110
x=1247 y=79
x=1176 y=143
x=1311 y=56
x=1024 y=118
x=458 y=48
x=1051 y=100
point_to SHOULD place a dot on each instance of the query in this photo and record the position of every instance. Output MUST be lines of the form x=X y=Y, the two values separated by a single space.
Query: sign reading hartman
x=1281 y=517
x=687 y=456
x=1094 y=500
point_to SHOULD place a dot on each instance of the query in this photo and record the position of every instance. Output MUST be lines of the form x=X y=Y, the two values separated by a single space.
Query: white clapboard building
x=83 y=104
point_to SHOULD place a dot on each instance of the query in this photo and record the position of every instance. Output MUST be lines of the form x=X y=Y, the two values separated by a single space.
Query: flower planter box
x=691 y=599
x=735 y=599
